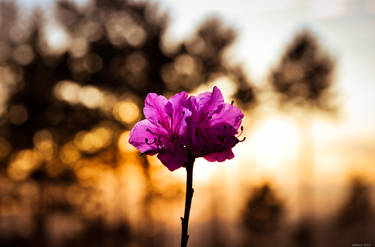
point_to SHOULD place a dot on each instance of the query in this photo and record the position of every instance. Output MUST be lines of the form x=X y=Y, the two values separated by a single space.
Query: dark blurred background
x=73 y=78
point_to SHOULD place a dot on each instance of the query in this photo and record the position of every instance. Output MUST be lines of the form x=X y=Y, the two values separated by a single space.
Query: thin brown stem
x=189 y=195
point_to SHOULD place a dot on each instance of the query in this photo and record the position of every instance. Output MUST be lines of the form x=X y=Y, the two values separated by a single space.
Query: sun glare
x=272 y=142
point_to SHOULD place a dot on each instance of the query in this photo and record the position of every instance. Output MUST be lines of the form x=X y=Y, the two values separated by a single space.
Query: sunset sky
x=345 y=29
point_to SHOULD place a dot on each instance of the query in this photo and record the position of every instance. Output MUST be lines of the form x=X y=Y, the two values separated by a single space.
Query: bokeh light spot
x=67 y=91
x=57 y=40
x=78 y=47
x=136 y=36
x=185 y=64
x=92 y=141
x=23 y=164
x=43 y=142
x=69 y=153
x=23 y=54
x=91 y=97
x=126 y=111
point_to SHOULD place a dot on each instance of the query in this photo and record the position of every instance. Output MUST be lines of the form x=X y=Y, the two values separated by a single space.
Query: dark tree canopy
x=358 y=208
x=263 y=211
x=356 y=217
x=111 y=51
x=73 y=83
x=305 y=75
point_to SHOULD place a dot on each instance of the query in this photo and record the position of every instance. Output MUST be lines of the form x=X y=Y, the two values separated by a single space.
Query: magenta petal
x=139 y=134
x=180 y=112
x=178 y=101
x=154 y=109
x=228 y=114
x=174 y=156
x=204 y=104
x=220 y=157
x=209 y=102
x=192 y=104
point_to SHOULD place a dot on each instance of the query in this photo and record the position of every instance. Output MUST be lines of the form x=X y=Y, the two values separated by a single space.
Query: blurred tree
x=303 y=235
x=72 y=84
x=305 y=75
x=303 y=81
x=358 y=208
x=262 y=216
x=356 y=217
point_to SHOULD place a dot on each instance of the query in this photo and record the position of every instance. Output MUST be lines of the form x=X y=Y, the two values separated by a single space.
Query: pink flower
x=181 y=128
x=163 y=132
x=213 y=126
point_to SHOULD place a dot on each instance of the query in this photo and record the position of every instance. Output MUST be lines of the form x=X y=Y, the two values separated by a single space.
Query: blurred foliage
x=304 y=234
x=304 y=77
x=262 y=216
x=108 y=51
x=72 y=83
x=263 y=211
x=304 y=82
x=356 y=217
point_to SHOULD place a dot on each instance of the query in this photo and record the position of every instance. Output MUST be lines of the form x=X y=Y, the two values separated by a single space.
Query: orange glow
x=70 y=94
x=123 y=143
x=69 y=153
x=89 y=172
x=126 y=111
x=43 y=142
x=5 y=148
x=53 y=168
x=75 y=195
x=23 y=164
x=92 y=141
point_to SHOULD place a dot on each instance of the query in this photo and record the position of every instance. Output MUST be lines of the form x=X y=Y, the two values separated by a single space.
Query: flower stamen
x=243 y=139
x=171 y=127
x=150 y=143
x=241 y=131
x=148 y=130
